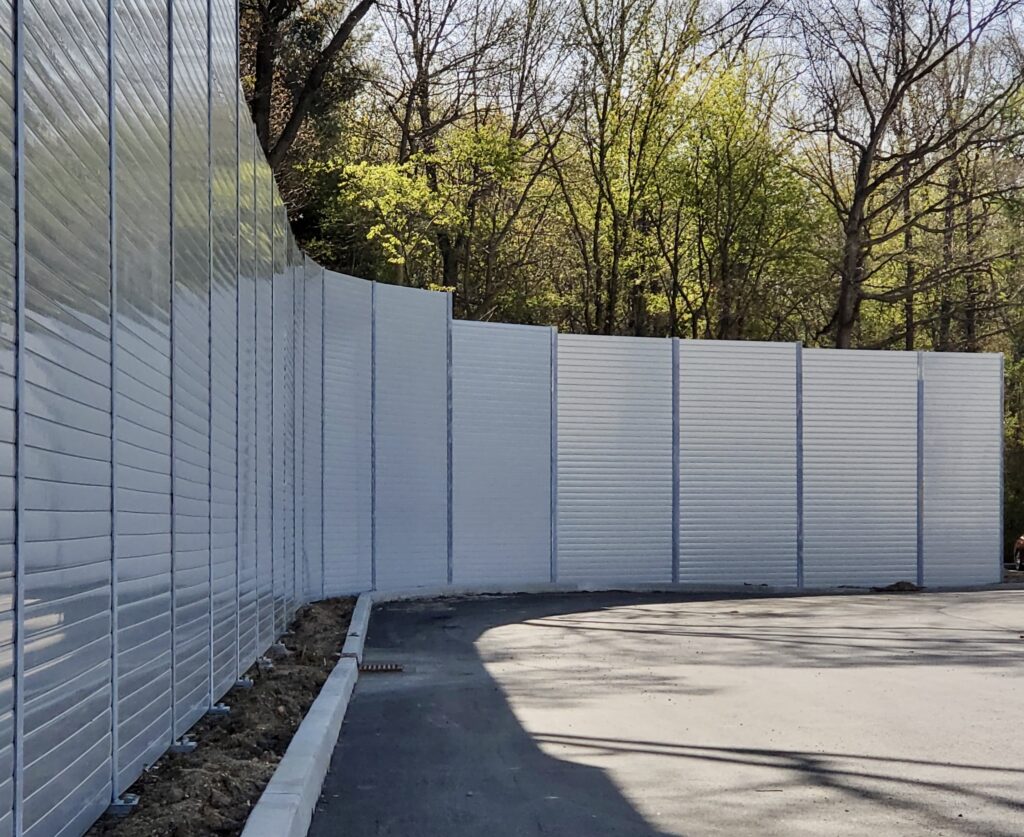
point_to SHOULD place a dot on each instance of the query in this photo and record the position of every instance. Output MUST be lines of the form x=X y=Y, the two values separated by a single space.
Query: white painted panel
x=312 y=424
x=411 y=437
x=614 y=459
x=501 y=453
x=860 y=467
x=737 y=462
x=346 y=433
x=962 y=453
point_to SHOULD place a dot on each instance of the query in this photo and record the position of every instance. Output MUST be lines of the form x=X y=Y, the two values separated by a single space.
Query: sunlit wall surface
x=200 y=429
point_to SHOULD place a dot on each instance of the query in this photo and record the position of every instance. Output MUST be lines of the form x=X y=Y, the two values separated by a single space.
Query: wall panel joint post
x=448 y=480
x=920 y=469
x=799 y=465
x=323 y=328
x=1000 y=512
x=173 y=341
x=112 y=232
x=554 y=454
x=209 y=346
x=19 y=437
x=373 y=435
x=675 y=460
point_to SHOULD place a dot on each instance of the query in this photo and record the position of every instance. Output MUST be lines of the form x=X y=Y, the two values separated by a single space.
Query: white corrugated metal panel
x=410 y=437
x=223 y=344
x=347 y=370
x=860 y=467
x=737 y=462
x=312 y=454
x=264 y=406
x=298 y=426
x=614 y=459
x=284 y=402
x=247 y=404
x=143 y=385
x=501 y=453
x=963 y=427
x=191 y=354
x=66 y=518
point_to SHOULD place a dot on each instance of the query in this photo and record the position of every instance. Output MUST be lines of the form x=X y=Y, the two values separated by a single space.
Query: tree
x=868 y=62
x=295 y=45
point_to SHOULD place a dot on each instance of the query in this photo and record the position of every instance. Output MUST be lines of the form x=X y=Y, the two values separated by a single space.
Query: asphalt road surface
x=622 y=714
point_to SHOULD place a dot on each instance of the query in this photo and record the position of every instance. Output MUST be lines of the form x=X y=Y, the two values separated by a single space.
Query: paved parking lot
x=618 y=714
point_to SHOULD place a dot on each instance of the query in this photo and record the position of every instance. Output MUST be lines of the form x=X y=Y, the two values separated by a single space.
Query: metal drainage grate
x=381 y=668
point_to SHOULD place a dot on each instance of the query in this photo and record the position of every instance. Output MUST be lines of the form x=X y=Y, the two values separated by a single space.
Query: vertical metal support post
x=112 y=243
x=554 y=455
x=274 y=487
x=448 y=356
x=1001 y=546
x=256 y=381
x=298 y=546
x=300 y=428
x=373 y=435
x=238 y=370
x=920 y=468
x=799 y=465
x=675 y=460
x=323 y=332
x=19 y=407
x=173 y=343
x=209 y=350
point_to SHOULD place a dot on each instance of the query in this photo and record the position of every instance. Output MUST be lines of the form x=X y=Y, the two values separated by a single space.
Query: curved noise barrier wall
x=202 y=429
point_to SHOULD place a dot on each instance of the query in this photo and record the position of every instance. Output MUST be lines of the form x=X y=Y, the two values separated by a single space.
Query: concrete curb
x=285 y=809
x=358 y=627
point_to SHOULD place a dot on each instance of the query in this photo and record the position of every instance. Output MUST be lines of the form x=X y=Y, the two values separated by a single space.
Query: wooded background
x=846 y=174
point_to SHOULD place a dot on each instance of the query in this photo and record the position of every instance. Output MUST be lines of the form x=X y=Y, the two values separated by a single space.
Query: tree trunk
x=910 y=276
x=942 y=340
x=849 y=283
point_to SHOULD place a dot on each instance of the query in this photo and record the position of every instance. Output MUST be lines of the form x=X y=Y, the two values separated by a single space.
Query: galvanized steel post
x=920 y=469
x=554 y=455
x=799 y=465
x=238 y=370
x=373 y=435
x=323 y=331
x=448 y=420
x=19 y=436
x=1001 y=547
x=173 y=346
x=675 y=460
x=112 y=233
x=209 y=349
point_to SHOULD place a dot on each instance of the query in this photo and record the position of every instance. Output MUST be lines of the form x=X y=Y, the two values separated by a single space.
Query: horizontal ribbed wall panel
x=860 y=467
x=312 y=422
x=737 y=462
x=143 y=386
x=346 y=433
x=247 y=405
x=962 y=457
x=67 y=422
x=614 y=459
x=264 y=404
x=411 y=437
x=223 y=342
x=191 y=375
x=501 y=453
x=296 y=543
x=283 y=385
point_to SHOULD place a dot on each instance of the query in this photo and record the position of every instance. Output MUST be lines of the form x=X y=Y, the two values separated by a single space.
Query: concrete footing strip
x=286 y=807
x=357 y=628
